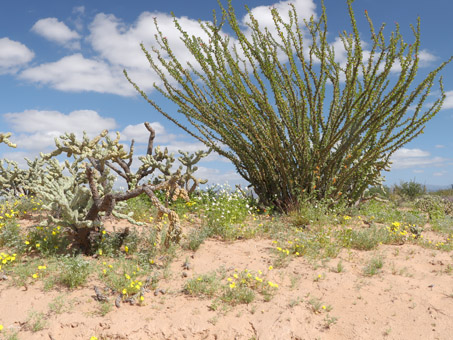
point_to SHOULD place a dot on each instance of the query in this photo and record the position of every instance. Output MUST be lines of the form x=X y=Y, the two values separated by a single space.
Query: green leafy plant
x=74 y=271
x=373 y=266
x=410 y=190
x=205 y=285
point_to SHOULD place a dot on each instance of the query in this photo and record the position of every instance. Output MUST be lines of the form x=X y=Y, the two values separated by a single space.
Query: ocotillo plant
x=296 y=122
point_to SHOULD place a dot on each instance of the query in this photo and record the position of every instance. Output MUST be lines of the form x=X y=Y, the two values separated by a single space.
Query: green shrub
x=74 y=271
x=195 y=238
x=206 y=285
x=373 y=266
x=410 y=190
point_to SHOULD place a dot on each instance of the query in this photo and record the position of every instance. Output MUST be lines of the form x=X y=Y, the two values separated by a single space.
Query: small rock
x=118 y=300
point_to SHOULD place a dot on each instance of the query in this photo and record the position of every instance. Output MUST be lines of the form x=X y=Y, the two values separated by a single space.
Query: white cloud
x=439 y=146
x=304 y=8
x=78 y=10
x=448 y=103
x=440 y=173
x=140 y=134
x=426 y=58
x=75 y=74
x=408 y=158
x=19 y=157
x=36 y=130
x=215 y=176
x=56 y=31
x=410 y=153
x=418 y=171
x=119 y=43
x=184 y=146
x=13 y=55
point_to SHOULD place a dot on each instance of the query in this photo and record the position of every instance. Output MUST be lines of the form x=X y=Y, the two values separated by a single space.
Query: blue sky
x=61 y=68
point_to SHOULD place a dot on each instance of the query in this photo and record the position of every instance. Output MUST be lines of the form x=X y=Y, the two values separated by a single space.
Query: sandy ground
x=411 y=298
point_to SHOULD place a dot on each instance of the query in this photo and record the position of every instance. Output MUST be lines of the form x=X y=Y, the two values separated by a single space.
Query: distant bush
x=436 y=207
x=410 y=189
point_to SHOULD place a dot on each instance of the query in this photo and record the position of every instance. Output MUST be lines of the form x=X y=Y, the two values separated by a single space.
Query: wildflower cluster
x=8 y=213
x=6 y=259
x=401 y=233
x=306 y=243
x=250 y=279
x=46 y=239
x=20 y=207
x=40 y=272
x=221 y=206
x=445 y=245
x=126 y=282
x=9 y=210
x=241 y=286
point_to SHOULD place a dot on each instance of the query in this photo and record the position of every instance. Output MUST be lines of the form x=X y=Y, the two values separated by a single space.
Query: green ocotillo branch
x=295 y=121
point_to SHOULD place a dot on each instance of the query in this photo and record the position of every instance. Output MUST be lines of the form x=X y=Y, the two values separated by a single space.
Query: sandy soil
x=411 y=298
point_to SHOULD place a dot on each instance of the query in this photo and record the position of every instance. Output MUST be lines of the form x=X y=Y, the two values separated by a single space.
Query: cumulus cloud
x=304 y=8
x=13 y=55
x=440 y=173
x=116 y=46
x=140 y=134
x=407 y=158
x=76 y=74
x=56 y=31
x=119 y=43
x=216 y=176
x=36 y=130
x=448 y=103
x=78 y=10
x=426 y=58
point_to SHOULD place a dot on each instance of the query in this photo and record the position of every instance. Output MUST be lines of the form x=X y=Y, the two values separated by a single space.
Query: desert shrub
x=10 y=235
x=140 y=207
x=443 y=225
x=410 y=190
x=381 y=212
x=47 y=240
x=315 y=243
x=373 y=266
x=315 y=213
x=366 y=239
x=74 y=271
x=268 y=103
x=206 y=285
x=436 y=206
x=195 y=238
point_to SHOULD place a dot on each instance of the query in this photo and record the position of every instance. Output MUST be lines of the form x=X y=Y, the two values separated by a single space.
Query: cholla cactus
x=4 y=138
x=15 y=181
x=82 y=198
x=189 y=162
